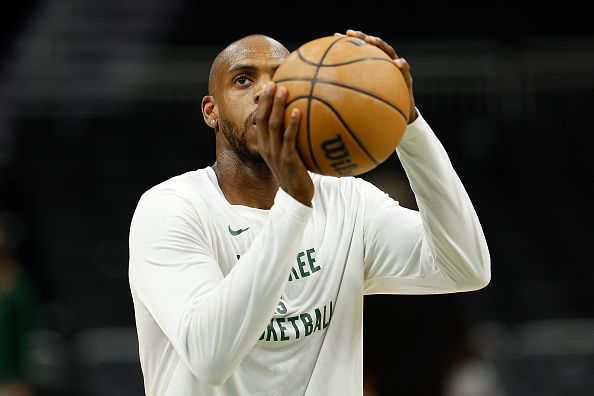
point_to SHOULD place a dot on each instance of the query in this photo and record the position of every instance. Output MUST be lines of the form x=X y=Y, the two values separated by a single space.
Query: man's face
x=248 y=66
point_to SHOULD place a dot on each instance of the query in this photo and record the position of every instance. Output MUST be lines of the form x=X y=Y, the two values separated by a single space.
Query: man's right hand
x=277 y=145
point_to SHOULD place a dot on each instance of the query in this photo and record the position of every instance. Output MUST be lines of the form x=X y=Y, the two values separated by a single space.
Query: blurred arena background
x=100 y=100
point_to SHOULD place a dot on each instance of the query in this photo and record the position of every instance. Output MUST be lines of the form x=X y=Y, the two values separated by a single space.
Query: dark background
x=100 y=100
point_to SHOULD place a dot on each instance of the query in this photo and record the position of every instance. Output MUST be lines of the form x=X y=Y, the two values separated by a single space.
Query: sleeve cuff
x=419 y=125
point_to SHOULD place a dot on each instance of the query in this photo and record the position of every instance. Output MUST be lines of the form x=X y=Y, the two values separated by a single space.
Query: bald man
x=248 y=276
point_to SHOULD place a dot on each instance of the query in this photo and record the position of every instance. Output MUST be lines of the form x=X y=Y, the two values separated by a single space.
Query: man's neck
x=244 y=183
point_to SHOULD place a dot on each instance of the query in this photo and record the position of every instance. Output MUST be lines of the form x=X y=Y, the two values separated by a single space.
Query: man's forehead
x=261 y=50
x=256 y=51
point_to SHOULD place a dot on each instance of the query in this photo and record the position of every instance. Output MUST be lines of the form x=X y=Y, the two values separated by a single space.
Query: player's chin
x=250 y=147
x=253 y=156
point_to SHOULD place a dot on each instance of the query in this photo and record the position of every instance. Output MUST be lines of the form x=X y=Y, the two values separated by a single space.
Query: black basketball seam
x=313 y=83
x=343 y=122
x=340 y=64
x=296 y=98
x=347 y=87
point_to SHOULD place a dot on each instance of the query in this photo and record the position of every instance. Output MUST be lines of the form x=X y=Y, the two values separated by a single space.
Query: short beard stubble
x=238 y=142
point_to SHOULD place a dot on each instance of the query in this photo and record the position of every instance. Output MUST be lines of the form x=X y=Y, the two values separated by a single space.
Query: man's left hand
x=401 y=63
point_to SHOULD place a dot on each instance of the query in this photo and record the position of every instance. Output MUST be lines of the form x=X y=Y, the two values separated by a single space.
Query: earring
x=213 y=121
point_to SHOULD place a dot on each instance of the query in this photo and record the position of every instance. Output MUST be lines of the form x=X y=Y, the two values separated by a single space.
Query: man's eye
x=242 y=80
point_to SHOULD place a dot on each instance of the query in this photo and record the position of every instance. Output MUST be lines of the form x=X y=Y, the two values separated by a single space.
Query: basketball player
x=248 y=276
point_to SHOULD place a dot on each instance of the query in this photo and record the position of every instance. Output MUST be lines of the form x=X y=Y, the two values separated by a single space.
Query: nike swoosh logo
x=237 y=232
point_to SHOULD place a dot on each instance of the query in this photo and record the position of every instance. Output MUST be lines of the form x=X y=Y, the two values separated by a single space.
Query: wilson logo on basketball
x=354 y=103
x=336 y=151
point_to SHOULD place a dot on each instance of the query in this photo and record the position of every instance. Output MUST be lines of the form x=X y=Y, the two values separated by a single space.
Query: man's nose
x=261 y=86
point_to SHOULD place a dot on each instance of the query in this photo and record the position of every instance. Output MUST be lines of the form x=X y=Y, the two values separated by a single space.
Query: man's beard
x=238 y=140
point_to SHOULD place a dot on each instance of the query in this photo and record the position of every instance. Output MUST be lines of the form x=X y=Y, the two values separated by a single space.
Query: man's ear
x=209 y=111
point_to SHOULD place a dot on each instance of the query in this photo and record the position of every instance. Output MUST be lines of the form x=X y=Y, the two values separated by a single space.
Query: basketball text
x=336 y=151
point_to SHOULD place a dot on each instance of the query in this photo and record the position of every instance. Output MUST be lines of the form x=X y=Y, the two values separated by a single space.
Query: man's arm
x=442 y=247
x=211 y=321
x=439 y=249
x=214 y=321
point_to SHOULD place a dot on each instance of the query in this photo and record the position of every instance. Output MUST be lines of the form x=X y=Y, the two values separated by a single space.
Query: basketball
x=353 y=100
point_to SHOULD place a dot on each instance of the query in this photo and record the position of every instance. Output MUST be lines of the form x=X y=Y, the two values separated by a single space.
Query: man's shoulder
x=190 y=187
x=182 y=198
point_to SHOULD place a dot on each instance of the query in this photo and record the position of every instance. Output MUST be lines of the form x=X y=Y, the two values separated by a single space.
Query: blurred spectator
x=18 y=315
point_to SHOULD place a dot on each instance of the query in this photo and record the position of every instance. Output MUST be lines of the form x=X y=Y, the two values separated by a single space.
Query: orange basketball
x=353 y=100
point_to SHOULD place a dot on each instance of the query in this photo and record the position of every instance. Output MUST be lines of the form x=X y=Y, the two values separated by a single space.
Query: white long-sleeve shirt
x=233 y=300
